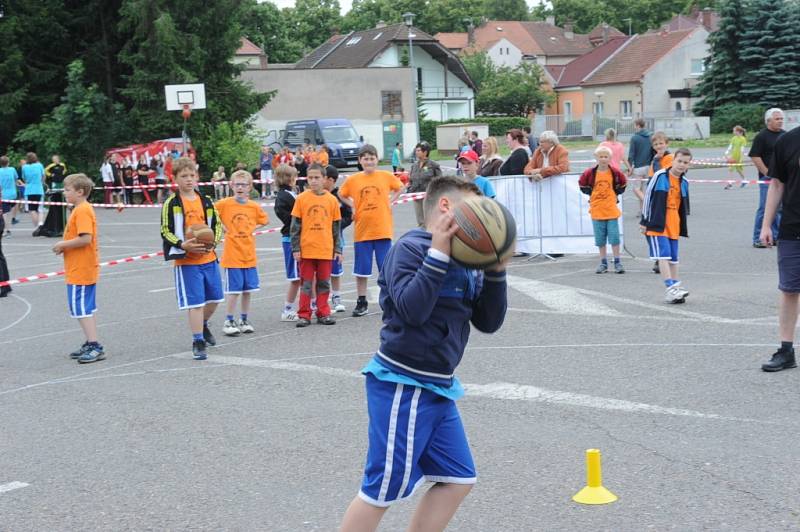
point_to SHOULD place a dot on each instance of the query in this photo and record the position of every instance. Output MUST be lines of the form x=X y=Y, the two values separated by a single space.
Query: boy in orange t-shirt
x=240 y=216
x=321 y=156
x=604 y=183
x=316 y=242
x=79 y=248
x=370 y=194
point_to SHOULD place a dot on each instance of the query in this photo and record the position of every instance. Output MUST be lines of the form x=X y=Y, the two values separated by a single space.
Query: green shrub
x=749 y=116
x=498 y=125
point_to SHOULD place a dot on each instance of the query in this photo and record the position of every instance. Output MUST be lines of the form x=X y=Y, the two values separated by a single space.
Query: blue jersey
x=33 y=175
x=8 y=182
x=486 y=187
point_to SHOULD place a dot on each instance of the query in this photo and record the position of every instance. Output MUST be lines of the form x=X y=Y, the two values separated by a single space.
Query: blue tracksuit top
x=428 y=305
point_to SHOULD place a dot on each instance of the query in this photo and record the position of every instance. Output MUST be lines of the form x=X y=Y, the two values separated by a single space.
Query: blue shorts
x=81 y=300
x=789 y=266
x=337 y=269
x=240 y=280
x=414 y=435
x=292 y=273
x=198 y=284
x=363 y=251
x=664 y=248
x=606 y=231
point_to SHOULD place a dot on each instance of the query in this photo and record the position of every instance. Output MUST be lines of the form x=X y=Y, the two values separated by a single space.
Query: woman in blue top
x=33 y=175
x=8 y=189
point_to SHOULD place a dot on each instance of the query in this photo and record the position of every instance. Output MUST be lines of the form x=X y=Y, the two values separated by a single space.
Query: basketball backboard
x=193 y=94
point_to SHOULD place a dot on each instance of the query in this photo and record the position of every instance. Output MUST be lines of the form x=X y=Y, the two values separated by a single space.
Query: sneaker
x=601 y=268
x=288 y=315
x=728 y=186
x=672 y=295
x=656 y=268
x=245 y=327
x=14 y=221
x=326 y=320
x=336 y=304
x=759 y=244
x=92 y=354
x=208 y=337
x=199 y=350
x=75 y=355
x=229 y=328
x=302 y=322
x=781 y=359
x=619 y=268
x=362 y=307
x=681 y=290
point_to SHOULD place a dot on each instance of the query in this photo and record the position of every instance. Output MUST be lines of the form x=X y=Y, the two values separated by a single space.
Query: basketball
x=486 y=233
x=201 y=232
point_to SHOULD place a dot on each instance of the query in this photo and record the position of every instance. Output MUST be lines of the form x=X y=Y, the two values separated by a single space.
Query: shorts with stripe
x=363 y=252
x=198 y=284
x=292 y=272
x=241 y=280
x=662 y=247
x=415 y=436
x=81 y=300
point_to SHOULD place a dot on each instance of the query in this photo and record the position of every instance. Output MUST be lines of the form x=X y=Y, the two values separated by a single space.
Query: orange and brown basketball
x=201 y=232
x=486 y=233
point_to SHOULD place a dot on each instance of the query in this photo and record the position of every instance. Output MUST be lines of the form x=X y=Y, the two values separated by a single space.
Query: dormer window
x=354 y=40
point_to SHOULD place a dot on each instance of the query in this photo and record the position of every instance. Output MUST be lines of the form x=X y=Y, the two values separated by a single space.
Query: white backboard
x=193 y=94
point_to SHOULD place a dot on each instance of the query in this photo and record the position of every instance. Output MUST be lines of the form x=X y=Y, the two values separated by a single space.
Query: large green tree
x=506 y=10
x=265 y=25
x=513 y=92
x=479 y=67
x=312 y=22
x=644 y=15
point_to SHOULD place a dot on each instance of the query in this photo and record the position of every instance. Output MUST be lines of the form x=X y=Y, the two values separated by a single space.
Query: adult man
x=549 y=159
x=476 y=143
x=761 y=155
x=784 y=187
x=640 y=154
x=533 y=142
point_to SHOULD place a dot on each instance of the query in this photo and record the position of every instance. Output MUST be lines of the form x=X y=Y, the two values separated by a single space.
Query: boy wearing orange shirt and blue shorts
x=79 y=248
x=604 y=183
x=198 y=285
x=240 y=216
x=666 y=207
x=370 y=194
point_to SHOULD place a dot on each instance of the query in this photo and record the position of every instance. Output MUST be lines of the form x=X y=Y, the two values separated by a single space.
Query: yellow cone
x=594 y=492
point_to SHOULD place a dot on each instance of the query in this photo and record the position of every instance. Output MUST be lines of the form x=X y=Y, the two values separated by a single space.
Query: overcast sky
x=347 y=3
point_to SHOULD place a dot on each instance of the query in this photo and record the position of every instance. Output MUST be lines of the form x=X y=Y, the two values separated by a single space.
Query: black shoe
x=326 y=320
x=781 y=359
x=656 y=268
x=362 y=307
x=199 y=350
x=208 y=337
x=4 y=293
x=302 y=322
x=759 y=244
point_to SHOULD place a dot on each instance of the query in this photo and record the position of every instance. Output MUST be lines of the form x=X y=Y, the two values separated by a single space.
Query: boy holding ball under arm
x=415 y=429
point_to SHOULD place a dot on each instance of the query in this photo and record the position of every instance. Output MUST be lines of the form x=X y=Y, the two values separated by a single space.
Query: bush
x=749 y=116
x=498 y=125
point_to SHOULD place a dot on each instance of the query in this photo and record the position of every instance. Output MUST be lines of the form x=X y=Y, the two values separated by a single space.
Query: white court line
x=559 y=297
x=12 y=486
x=768 y=321
x=25 y=315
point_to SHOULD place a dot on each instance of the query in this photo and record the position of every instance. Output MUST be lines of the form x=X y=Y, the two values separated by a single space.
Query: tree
x=755 y=47
x=505 y=10
x=479 y=67
x=265 y=25
x=229 y=143
x=314 y=21
x=586 y=14
x=514 y=92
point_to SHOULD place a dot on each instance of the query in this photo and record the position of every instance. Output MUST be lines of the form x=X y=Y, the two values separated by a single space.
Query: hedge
x=498 y=125
x=749 y=116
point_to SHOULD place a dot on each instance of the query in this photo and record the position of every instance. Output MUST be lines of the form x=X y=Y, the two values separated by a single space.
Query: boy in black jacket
x=331 y=176
x=285 y=179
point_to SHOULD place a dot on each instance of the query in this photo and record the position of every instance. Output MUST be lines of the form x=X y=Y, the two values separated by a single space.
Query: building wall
x=575 y=97
x=611 y=97
x=673 y=71
x=504 y=53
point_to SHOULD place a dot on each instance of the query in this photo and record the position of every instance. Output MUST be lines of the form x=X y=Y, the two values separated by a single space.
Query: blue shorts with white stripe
x=81 y=300
x=198 y=284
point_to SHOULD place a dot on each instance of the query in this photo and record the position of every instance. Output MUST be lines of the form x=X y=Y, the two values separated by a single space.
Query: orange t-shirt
x=672 y=225
x=603 y=201
x=321 y=157
x=240 y=220
x=80 y=264
x=666 y=162
x=317 y=212
x=193 y=214
x=370 y=194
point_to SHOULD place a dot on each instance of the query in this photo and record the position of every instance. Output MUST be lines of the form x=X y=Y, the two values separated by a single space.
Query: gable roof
x=596 y=35
x=247 y=47
x=453 y=41
x=639 y=54
x=578 y=69
x=555 y=72
x=706 y=18
x=554 y=41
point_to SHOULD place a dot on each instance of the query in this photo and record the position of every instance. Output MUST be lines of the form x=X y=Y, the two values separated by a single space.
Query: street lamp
x=408 y=19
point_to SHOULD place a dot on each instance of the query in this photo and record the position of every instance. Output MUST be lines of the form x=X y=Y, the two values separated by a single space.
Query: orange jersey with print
x=193 y=214
x=603 y=201
x=666 y=162
x=240 y=220
x=672 y=225
x=317 y=212
x=321 y=157
x=370 y=194
x=80 y=264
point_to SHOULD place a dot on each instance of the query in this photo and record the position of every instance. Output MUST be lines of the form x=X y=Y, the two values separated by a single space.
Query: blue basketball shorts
x=292 y=272
x=664 y=248
x=415 y=436
x=198 y=284
x=363 y=252
x=241 y=280
x=81 y=300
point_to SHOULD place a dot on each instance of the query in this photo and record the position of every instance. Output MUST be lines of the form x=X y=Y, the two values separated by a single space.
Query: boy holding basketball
x=240 y=216
x=415 y=430
x=316 y=243
x=370 y=194
x=197 y=278
x=79 y=248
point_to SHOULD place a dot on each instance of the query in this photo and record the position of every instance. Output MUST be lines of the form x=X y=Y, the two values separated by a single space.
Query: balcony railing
x=444 y=92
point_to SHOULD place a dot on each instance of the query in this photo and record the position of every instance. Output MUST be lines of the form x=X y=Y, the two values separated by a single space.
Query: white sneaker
x=681 y=290
x=230 y=328
x=673 y=295
x=336 y=304
x=245 y=327
x=289 y=315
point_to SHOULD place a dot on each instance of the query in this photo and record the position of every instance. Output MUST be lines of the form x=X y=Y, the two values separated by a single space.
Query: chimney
x=551 y=20
x=605 y=32
x=706 y=13
x=470 y=34
x=380 y=24
x=568 y=34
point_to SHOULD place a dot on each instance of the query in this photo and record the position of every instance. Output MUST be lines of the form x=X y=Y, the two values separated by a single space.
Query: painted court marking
x=11 y=486
x=25 y=315
x=559 y=298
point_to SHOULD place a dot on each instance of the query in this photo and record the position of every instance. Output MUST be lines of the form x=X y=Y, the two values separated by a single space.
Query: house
x=707 y=18
x=250 y=55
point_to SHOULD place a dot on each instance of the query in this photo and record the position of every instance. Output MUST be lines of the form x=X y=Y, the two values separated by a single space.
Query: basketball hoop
x=187 y=111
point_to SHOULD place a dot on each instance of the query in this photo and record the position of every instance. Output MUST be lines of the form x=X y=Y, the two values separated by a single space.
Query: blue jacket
x=654 y=211
x=640 y=152
x=428 y=306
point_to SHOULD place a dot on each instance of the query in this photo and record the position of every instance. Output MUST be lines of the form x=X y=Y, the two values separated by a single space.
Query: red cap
x=469 y=155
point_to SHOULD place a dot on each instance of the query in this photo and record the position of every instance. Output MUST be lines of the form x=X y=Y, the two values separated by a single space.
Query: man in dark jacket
x=640 y=154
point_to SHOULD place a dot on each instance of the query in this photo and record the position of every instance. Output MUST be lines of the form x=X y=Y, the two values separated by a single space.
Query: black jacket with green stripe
x=172 y=224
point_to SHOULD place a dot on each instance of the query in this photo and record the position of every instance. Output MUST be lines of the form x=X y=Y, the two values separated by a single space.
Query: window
x=626 y=109
x=354 y=40
x=507 y=52
x=568 y=111
x=391 y=103
x=501 y=51
x=597 y=108
x=698 y=67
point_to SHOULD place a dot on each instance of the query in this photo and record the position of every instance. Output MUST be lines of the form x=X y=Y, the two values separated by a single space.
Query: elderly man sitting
x=550 y=158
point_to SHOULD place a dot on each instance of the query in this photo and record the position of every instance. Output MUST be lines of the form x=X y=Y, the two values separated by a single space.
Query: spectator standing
x=143 y=178
x=490 y=159
x=422 y=171
x=617 y=150
x=640 y=155
x=477 y=143
x=397 y=156
x=54 y=173
x=220 y=188
x=33 y=176
x=265 y=168
x=8 y=191
x=157 y=164
x=549 y=159
x=735 y=153
x=107 y=175
x=515 y=164
x=302 y=170
x=761 y=155
x=532 y=140
x=4 y=275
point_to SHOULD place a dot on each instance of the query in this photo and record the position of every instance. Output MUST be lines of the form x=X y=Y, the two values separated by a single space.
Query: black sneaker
x=780 y=360
x=75 y=355
x=656 y=268
x=199 y=350
x=362 y=307
x=326 y=320
x=208 y=337
x=302 y=322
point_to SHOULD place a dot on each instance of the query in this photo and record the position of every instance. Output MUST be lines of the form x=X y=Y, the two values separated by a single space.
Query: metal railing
x=443 y=92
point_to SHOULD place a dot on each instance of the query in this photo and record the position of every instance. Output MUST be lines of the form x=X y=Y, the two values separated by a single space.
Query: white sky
x=347 y=3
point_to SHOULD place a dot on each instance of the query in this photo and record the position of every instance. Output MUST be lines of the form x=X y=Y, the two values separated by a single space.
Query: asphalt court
x=269 y=433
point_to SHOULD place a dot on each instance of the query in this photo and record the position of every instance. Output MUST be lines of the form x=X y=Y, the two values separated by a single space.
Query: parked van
x=337 y=133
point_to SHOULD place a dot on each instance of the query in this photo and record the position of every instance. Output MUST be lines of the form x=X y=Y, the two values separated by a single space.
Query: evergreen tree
x=755 y=47
x=779 y=74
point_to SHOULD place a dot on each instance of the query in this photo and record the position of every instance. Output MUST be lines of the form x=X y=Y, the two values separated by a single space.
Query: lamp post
x=408 y=19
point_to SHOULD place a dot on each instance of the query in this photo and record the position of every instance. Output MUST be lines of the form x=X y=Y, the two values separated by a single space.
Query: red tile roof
x=247 y=47
x=577 y=69
x=596 y=35
x=453 y=41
